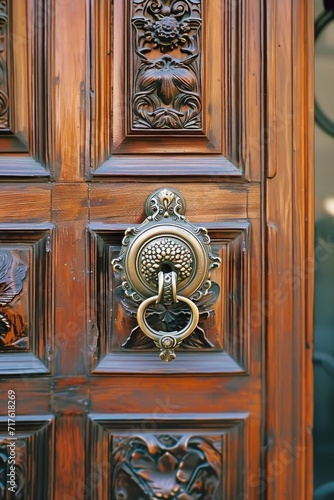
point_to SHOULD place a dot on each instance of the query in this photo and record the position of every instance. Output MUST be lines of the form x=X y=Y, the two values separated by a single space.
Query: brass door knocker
x=166 y=260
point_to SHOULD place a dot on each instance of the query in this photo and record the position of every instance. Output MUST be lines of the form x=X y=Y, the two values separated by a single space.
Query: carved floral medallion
x=167 y=64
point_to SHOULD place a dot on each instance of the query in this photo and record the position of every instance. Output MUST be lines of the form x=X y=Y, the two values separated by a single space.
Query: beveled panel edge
x=199 y=363
x=199 y=419
x=24 y=363
x=38 y=420
x=199 y=166
x=22 y=168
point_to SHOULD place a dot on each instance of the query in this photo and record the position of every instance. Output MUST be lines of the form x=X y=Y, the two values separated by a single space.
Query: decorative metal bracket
x=166 y=260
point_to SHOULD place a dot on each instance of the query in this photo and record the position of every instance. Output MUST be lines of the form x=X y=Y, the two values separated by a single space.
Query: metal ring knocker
x=167 y=341
x=166 y=261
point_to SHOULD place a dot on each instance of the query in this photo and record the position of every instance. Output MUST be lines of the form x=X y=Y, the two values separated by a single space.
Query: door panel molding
x=26 y=300
x=225 y=328
x=227 y=85
x=163 y=447
x=25 y=39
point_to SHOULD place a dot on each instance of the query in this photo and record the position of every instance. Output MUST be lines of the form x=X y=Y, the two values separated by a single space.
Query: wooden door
x=102 y=103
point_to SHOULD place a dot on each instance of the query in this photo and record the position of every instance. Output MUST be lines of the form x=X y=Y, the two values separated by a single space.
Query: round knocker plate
x=166 y=246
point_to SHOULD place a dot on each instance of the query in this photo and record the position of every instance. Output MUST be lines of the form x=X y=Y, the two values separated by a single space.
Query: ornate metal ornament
x=166 y=261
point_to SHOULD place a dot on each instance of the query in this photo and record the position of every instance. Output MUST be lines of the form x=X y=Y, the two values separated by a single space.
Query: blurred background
x=324 y=251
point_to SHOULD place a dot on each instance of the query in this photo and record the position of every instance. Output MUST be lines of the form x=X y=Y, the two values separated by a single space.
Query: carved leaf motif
x=12 y=274
x=166 y=466
x=13 y=329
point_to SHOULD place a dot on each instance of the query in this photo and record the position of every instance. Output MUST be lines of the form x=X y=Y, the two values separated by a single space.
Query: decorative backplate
x=166 y=90
x=165 y=240
x=166 y=262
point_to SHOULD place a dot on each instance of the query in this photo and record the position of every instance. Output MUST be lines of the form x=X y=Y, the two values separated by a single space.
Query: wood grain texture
x=25 y=203
x=216 y=201
x=27 y=389
x=69 y=453
x=69 y=214
x=68 y=96
x=253 y=191
x=289 y=211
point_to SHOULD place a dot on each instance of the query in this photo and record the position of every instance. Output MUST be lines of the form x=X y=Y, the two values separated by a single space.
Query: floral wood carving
x=4 y=118
x=167 y=64
x=6 y=460
x=169 y=467
x=13 y=329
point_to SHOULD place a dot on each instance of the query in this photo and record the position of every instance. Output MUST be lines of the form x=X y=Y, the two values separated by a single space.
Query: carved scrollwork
x=166 y=466
x=13 y=329
x=167 y=88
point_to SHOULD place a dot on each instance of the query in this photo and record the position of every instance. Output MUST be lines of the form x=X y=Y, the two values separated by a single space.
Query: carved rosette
x=167 y=64
x=170 y=467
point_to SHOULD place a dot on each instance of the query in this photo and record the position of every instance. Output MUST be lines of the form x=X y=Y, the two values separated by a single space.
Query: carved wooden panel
x=25 y=299
x=166 y=65
x=23 y=84
x=167 y=77
x=221 y=339
x=183 y=458
x=30 y=455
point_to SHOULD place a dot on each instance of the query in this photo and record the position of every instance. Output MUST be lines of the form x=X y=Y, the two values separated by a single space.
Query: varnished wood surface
x=289 y=212
x=254 y=193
